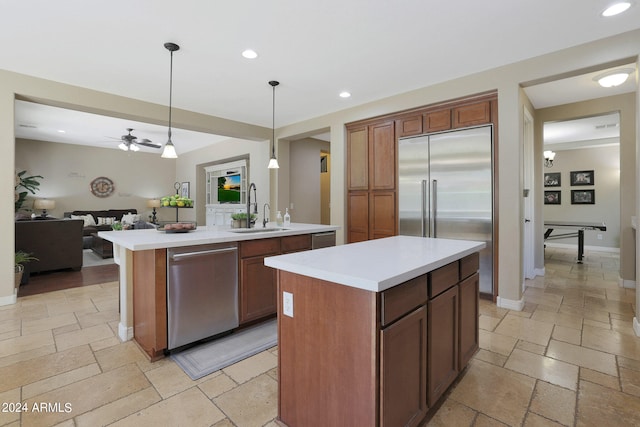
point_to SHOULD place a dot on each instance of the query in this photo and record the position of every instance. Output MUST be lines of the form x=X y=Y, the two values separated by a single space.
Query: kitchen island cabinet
x=142 y=257
x=369 y=333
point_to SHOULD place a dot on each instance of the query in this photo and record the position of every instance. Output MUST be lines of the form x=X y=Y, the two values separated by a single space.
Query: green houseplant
x=240 y=220
x=29 y=184
x=21 y=258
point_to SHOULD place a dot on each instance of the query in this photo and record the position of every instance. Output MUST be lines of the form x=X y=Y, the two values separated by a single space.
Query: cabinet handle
x=177 y=257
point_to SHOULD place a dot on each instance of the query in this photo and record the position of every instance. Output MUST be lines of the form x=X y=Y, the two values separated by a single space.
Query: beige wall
x=625 y=104
x=506 y=80
x=304 y=180
x=68 y=169
x=605 y=162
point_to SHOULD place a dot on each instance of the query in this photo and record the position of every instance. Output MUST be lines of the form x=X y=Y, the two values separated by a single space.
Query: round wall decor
x=101 y=186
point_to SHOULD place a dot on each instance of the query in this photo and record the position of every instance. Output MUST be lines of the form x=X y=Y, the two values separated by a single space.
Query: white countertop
x=140 y=240
x=376 y=265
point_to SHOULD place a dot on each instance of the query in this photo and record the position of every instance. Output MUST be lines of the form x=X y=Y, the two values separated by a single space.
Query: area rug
x=218 y=354
x=90 y=259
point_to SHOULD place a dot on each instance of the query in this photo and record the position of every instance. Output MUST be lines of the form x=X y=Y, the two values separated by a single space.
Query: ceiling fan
x=130 y=142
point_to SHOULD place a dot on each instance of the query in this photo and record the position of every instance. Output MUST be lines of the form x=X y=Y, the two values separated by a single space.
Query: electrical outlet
x=599 y=236
x=287 y=304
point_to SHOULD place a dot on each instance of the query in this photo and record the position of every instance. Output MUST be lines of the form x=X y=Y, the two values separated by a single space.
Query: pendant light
x=169 y=151
x=273 y=162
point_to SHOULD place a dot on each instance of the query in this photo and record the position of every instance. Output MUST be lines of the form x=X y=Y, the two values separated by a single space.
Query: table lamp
x=153 y=203
x=44 y=204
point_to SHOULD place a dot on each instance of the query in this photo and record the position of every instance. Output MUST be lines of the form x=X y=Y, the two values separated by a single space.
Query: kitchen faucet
x=249 y=203
x=265 y=219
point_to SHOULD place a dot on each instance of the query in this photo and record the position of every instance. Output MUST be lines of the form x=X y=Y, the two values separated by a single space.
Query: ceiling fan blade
x=147 y=143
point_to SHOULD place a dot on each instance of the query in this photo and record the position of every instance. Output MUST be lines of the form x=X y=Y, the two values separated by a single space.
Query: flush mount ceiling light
x=613 y=78
x=250 y=54
x=273 y=162
x=616 y=8
x=345 y=94
x=169 y=151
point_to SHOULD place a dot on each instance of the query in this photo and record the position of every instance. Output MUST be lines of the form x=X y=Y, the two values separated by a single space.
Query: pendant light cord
x=170 y=92
x=273 y=124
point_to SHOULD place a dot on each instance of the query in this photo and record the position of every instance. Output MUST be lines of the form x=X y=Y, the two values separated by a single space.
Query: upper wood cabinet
x=382 y=156
x=409 y=126
x=472 y=114
x=358 y=158
x=437 y=121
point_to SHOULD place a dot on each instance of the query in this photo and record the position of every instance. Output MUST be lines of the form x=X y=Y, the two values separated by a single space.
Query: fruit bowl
x=177 y=226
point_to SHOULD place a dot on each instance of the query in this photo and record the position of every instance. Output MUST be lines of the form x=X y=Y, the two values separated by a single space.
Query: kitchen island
x=373 y=333
x=142 y=257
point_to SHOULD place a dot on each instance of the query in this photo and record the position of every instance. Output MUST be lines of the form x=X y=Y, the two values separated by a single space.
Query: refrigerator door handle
x=424 y=219
x=434 y=195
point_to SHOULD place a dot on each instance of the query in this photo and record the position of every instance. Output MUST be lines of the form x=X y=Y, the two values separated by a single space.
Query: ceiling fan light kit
x=169 y=151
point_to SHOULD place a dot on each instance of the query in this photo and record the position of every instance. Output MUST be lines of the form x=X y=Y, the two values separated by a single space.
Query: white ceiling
x=373 y=49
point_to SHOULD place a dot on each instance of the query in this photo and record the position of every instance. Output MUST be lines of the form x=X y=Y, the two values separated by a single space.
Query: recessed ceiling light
x=250 y=54
x=613 y=78
x=62 y=131
x=345 y=94
x=616 y=8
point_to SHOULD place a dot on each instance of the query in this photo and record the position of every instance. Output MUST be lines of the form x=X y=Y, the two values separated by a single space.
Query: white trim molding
x=510 y=304
x=628 y=284
x=9 y=299
x=125 y=333
x=636 y=326
x=539 y=271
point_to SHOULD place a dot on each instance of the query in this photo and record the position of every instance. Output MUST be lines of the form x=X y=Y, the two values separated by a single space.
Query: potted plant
x=239 y=220
x=28 y=183
x=21 y=258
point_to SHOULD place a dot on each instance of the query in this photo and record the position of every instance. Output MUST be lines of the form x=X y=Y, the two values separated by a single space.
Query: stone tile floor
x=569 y=358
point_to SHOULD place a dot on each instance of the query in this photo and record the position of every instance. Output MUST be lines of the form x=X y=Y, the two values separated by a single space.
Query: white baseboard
x=586 y=248
x=628 y=284
x=9 y=299
x=539 y=271
x=636 y=326
x=125 y=333
x=510 y=304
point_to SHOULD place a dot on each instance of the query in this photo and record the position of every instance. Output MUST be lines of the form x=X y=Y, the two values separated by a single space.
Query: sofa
x=100 y=220
x=57 y=243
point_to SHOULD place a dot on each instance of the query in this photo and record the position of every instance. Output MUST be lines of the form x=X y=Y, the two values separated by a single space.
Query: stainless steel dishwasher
x=202 y=292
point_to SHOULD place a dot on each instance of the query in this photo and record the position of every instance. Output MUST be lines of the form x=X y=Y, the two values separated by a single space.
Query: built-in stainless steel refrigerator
x=445 y=190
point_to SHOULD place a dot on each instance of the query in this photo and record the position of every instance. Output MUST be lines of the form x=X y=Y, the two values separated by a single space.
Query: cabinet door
x=382 y=214
x=358 y=220
x=357 y=159
x=469 y=294
x=382 y=156
x=471 y=115
x=437 y=120
x=403 y=370
x=409 y=126
x=257 y=289
x=442 y=343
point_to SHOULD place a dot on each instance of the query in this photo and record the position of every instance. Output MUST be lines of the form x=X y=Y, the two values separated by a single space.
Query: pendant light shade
x=273 y=162
x=169 y=151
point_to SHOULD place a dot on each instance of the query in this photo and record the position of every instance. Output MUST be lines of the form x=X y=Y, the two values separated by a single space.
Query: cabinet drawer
x=469 y=265
x=260 y=247
x=295 y=243
x=401 y=299
x=443 y=278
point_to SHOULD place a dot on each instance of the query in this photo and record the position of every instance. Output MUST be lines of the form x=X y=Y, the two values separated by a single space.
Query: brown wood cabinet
x=371 y=171
x=372 y=199
x=257 y=282
x=374 y=359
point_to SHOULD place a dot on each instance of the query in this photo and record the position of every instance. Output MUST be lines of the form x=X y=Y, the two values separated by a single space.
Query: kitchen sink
x=257 y=230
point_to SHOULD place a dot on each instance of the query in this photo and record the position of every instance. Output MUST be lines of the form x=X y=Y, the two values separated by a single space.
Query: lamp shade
x=44 y=204
x=153 y=203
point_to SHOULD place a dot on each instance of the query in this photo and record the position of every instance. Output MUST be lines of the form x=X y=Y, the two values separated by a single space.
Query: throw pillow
x=106 y=220
x=130 y=218
x=88 y=219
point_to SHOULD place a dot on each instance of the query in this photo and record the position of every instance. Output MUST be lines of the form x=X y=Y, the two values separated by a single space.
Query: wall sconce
x=548 y=158
x=44 y=204
x=153 y=203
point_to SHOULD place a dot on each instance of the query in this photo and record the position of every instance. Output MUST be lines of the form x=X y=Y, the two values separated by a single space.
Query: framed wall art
x=552 y=197
x=582 y=178
x=552 y=179
x=184 y=190
x=583 y=197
